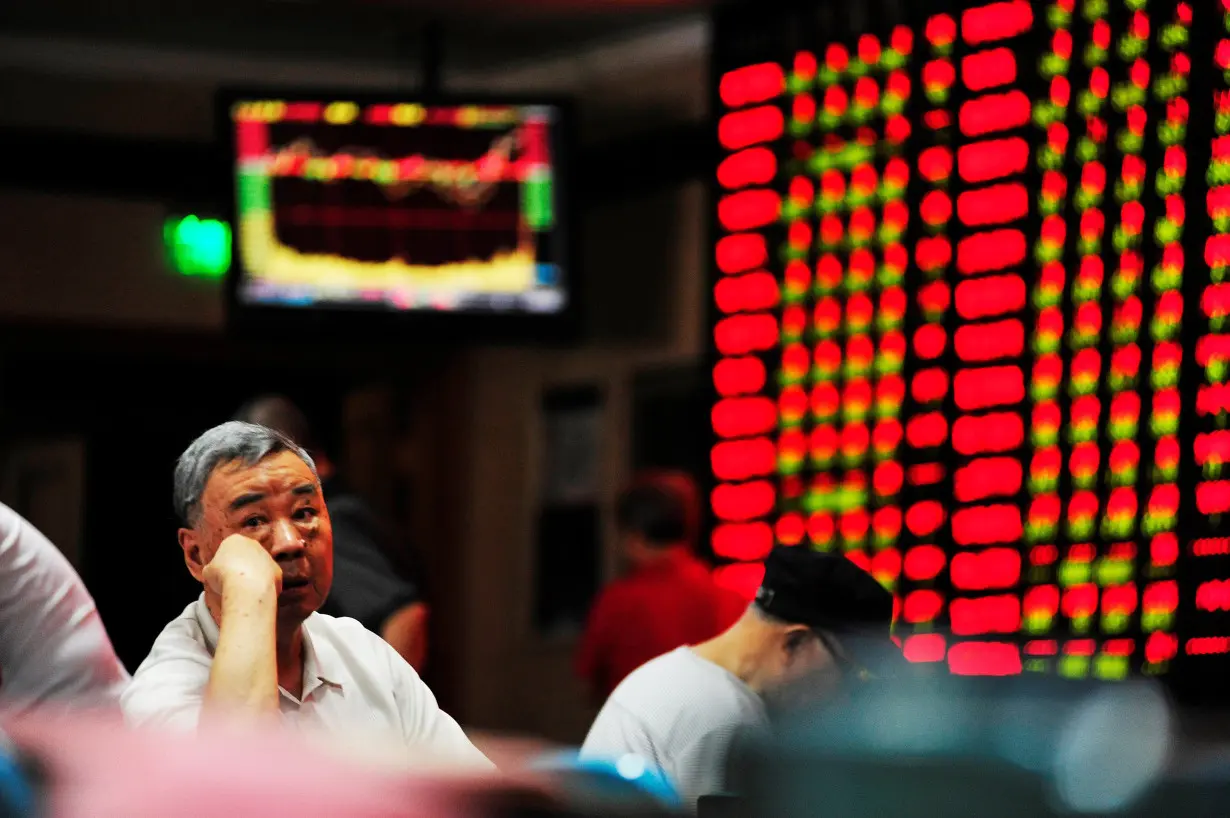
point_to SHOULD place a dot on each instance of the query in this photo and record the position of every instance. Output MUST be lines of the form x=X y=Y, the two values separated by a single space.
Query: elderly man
x=257 y=535
x=366 y=586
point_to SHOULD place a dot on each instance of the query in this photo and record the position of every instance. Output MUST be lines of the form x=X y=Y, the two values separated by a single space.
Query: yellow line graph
x=269 y=261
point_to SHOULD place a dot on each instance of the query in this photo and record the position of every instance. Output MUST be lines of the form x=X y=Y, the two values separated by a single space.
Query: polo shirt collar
x=321 y=664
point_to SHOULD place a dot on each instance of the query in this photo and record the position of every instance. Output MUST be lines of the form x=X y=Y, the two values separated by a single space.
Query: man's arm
x=53 y=646
x=406 y=632
x=594 y=648
x=244 y=673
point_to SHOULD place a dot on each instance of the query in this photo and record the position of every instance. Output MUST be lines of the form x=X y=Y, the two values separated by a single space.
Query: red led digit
x=984 y=659
x=1041 y=647
x=990 y=296
x=997 y=21
x=742 y=129
x=1161 y=647
x=990 y=251
x=924 y=562
x=742 y=541
x=748 y=293
x=754 y=166
x=746 y=501
x=926 y=474
x=988 y=69
x=986 y=478
x=992 y=159
x=1042 y=600
x=739 y=253
x=741 y=334
x=927 y=431
x=988 y=387
x=887 y=478
x=922 y=606
x=743 y=417
x=992 y=614
x=930 y=341
x=933 y=298
x=988 y=434
x=979 y=343
x=924 y=518
x=736 y=376
x=993 y=205
x=929 y=385
x=924 y=647
x=992 y=113
x=1213 y=497
x=748 y=209
x=751 y=84
x=743 y=459
x=987 y=525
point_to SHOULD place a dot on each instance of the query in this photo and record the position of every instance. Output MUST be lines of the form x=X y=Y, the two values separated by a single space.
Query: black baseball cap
x=823 y=591
x=831 y=595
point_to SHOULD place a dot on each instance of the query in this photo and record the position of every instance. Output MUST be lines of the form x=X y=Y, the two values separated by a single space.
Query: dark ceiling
x=476 y=33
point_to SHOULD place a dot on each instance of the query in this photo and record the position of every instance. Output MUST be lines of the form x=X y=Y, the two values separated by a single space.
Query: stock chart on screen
x=397 y=206
x=970 y=303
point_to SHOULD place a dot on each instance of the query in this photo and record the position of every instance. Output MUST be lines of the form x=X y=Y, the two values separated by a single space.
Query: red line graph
x=462 y=183
x=303 y=215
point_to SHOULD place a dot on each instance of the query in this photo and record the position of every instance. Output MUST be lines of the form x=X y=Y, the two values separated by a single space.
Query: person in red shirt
x=667 y=597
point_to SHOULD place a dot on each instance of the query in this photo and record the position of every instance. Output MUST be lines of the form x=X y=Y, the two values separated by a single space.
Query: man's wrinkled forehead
x=235 y=483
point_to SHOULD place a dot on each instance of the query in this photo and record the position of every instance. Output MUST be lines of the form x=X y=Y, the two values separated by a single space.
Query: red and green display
x=967 y=332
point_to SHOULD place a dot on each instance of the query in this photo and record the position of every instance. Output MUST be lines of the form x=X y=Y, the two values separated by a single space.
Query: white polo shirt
x=680 y=713
x=354 y=684
x=53 y=647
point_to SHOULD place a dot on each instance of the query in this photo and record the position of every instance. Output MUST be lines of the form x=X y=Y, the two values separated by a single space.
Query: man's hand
x=243 y=564
x=246 y=580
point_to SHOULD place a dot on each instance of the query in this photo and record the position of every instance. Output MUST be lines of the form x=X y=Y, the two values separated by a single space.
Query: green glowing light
x=198 y=247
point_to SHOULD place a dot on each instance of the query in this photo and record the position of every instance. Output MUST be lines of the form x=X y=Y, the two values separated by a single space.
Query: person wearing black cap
x=817 y=621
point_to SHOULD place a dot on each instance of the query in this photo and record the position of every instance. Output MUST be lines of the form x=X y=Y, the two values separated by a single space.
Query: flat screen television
x=384 y=212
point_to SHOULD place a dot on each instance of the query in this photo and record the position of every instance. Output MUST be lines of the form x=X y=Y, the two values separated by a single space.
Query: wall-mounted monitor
x=398 y=213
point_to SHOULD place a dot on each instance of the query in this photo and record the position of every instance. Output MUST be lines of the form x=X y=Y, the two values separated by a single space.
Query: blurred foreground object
x=96 y=769
x=53 y=646
x=629 y=782
x=20 y=782
x=1024 y=746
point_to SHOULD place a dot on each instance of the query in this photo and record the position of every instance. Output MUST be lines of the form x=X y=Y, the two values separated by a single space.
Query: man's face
x=806 y=671
x=278 y=503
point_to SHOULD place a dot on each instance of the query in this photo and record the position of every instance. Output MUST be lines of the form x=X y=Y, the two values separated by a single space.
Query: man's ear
x=795 y=636
x=192 y=553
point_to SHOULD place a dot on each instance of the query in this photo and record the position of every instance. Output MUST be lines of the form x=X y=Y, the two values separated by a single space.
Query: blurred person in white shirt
x=256 y=534
x=817 y=623
x=53 y=646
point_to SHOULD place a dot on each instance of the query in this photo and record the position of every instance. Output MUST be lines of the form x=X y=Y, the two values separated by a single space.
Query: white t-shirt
x=53 y=646
x=681 y=713
x=354 y=684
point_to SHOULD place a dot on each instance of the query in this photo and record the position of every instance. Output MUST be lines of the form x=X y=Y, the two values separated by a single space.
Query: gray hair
x=229 y=442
